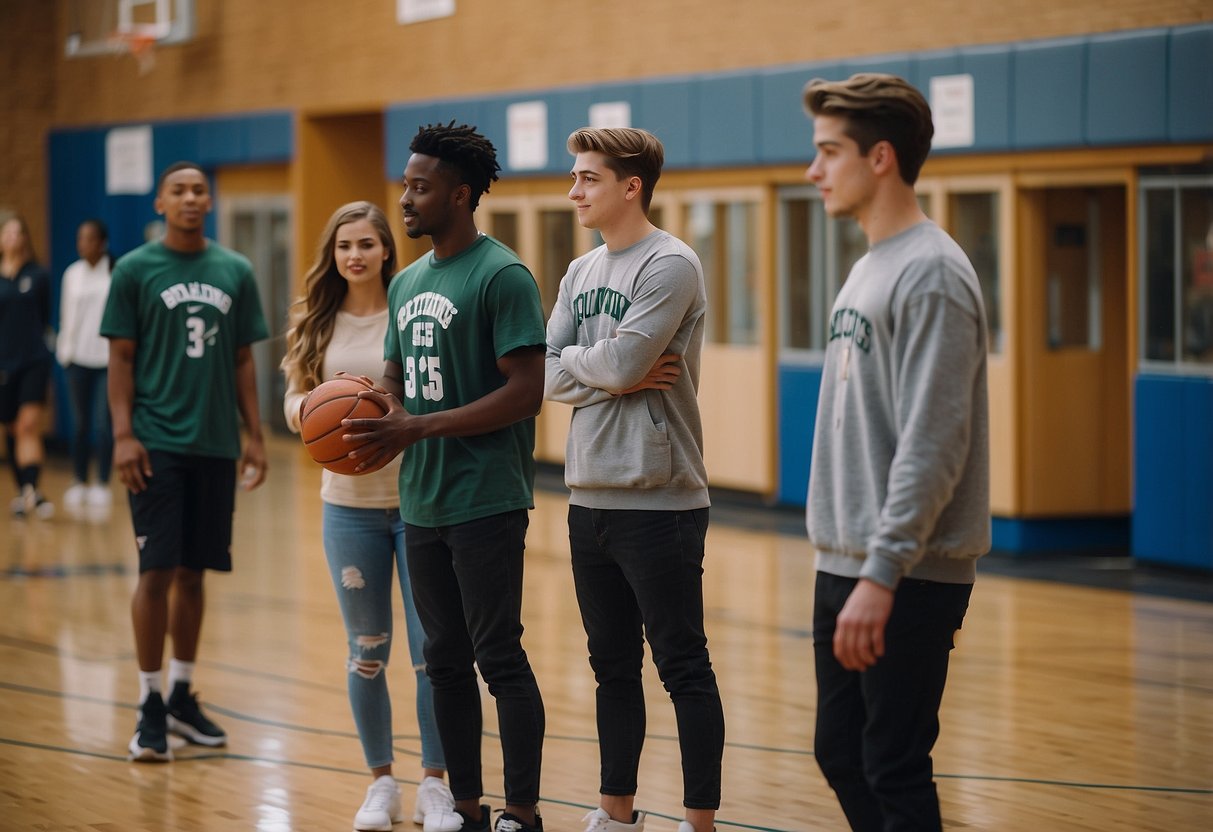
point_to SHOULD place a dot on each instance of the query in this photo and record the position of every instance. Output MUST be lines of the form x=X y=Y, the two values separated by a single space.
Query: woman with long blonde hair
x=338 y=326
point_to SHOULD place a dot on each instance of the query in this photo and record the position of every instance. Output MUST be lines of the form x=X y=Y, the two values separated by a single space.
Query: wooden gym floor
x=1068 y=707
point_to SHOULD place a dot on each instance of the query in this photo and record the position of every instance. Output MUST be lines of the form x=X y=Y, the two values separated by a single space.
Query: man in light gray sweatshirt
x=898 y=505
x=623 y=348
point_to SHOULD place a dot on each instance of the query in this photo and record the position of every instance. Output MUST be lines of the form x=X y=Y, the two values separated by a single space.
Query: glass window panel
x=743 y=272
x=1159 y=273
x=975 y=229
x=504 y=226
x=796 y=305
x=557 y=228
x=723 y=234
x=1196 y=250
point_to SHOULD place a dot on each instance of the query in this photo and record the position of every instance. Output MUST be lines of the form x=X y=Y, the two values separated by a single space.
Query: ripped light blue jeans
x=362 y=546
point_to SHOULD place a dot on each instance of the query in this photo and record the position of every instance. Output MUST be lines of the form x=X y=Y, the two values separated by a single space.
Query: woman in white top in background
x=339 y=326
x=84 y=356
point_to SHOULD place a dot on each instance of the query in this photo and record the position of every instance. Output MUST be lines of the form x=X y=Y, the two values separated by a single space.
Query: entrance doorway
x=1076 y=449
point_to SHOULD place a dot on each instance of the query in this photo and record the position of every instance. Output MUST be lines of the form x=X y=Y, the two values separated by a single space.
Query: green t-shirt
x=188 y=313
x=449 y=322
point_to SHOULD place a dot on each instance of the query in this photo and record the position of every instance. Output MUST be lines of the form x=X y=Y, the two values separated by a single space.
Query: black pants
x=640 y=574
x=90 y=420
x=467 y=583
x=876 y=728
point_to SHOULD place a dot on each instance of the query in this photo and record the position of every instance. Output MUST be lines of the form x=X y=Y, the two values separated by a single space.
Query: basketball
x=320 y=422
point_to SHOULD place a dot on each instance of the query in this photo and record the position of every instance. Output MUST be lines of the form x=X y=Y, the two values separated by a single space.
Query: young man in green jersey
x=464 y=366
x=182 y=315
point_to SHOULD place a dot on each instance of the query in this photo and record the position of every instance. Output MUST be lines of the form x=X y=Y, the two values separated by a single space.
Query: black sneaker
x=480 y=825
x=513 y=823
x=150 y=743
x=186 y=719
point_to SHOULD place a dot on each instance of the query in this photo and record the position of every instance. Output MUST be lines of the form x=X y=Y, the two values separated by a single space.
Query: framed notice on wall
x=415 y=11
x=128 y=160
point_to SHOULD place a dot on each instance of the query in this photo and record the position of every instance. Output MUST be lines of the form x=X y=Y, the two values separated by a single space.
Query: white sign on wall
x=415 y=11
x=611 y=114
x=527 y=129
x=952 y=109
x=128 y=160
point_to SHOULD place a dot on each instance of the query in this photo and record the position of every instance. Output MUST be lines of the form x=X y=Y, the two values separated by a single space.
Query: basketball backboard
x=98 y=27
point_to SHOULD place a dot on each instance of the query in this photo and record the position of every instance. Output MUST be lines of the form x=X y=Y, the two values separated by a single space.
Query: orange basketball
x=320 y=422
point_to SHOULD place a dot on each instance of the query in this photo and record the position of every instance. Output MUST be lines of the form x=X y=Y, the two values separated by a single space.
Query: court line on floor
x=1042 y=781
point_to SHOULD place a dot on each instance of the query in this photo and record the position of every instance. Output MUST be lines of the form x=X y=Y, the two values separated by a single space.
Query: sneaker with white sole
x=684 y=826
x=381 y=808
x=507 y=822
x=150 y=743
x=435 y=807
x=76 y=496
x=185 y=718
x=599 y=821
x=99 y=496
x=480 y=824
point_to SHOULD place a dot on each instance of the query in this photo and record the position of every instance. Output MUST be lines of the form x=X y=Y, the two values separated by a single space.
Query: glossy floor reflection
x=1069 y=707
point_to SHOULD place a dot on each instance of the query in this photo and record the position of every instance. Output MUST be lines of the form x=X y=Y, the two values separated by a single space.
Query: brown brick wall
x=27 y=103
x=317 y=54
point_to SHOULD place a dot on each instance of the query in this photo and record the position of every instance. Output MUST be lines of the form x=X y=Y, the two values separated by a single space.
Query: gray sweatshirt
x=899 y=484
x=617 y=313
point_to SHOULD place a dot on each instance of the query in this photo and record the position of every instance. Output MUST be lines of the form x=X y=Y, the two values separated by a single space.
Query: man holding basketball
x=464 y=355
x=898 y=506
x=182 y=315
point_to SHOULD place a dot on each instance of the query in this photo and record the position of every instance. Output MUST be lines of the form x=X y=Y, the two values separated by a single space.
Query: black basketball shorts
x=22 y=386
x=184 y=516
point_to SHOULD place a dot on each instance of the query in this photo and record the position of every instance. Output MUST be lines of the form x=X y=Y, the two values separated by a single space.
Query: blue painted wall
x=76 y=185
x=1153 y=85
x=1173 y=470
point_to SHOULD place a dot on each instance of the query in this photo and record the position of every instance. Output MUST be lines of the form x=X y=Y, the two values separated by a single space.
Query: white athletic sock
x=179 y=671
x=149 y=680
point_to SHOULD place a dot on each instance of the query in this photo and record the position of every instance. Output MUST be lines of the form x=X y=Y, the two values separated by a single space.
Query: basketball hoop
x=141 y=45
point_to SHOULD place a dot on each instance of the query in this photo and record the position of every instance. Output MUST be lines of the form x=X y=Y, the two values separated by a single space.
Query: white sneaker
x=75 y=496
x=35 y=503
x=435 y=807
x=686 y=827
x=381 y=808
x=99 y=496
x=599 y=821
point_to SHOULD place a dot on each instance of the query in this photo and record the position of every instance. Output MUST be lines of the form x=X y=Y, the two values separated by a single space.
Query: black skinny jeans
x=639 y=574
x=876 y=728
x=467 y=584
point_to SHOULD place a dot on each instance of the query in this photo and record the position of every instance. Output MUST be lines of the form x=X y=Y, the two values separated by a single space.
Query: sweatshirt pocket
x=618 y=444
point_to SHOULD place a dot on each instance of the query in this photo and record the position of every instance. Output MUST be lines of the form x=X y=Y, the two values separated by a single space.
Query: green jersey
x=188 y=314
x=449 y=322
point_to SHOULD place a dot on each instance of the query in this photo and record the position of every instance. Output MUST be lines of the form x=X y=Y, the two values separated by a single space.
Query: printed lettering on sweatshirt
x=851 y=324
x=601 y=301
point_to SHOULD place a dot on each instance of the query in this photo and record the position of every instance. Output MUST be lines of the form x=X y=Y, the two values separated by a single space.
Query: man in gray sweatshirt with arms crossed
x=623 y=348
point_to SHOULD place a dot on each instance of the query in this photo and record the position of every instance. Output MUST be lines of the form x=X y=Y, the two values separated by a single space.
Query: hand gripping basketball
x=320 y=417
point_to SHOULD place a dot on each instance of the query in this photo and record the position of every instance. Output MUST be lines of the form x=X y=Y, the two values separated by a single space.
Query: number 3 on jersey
x=424 y=372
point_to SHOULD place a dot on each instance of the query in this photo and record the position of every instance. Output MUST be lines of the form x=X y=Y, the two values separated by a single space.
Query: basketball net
x=140 y=45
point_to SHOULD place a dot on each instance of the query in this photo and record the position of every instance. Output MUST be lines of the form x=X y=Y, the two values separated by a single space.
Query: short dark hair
x=99 y=227
x=462 y=151
x=173 y=168
x=877 y=108
x=629 y=152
